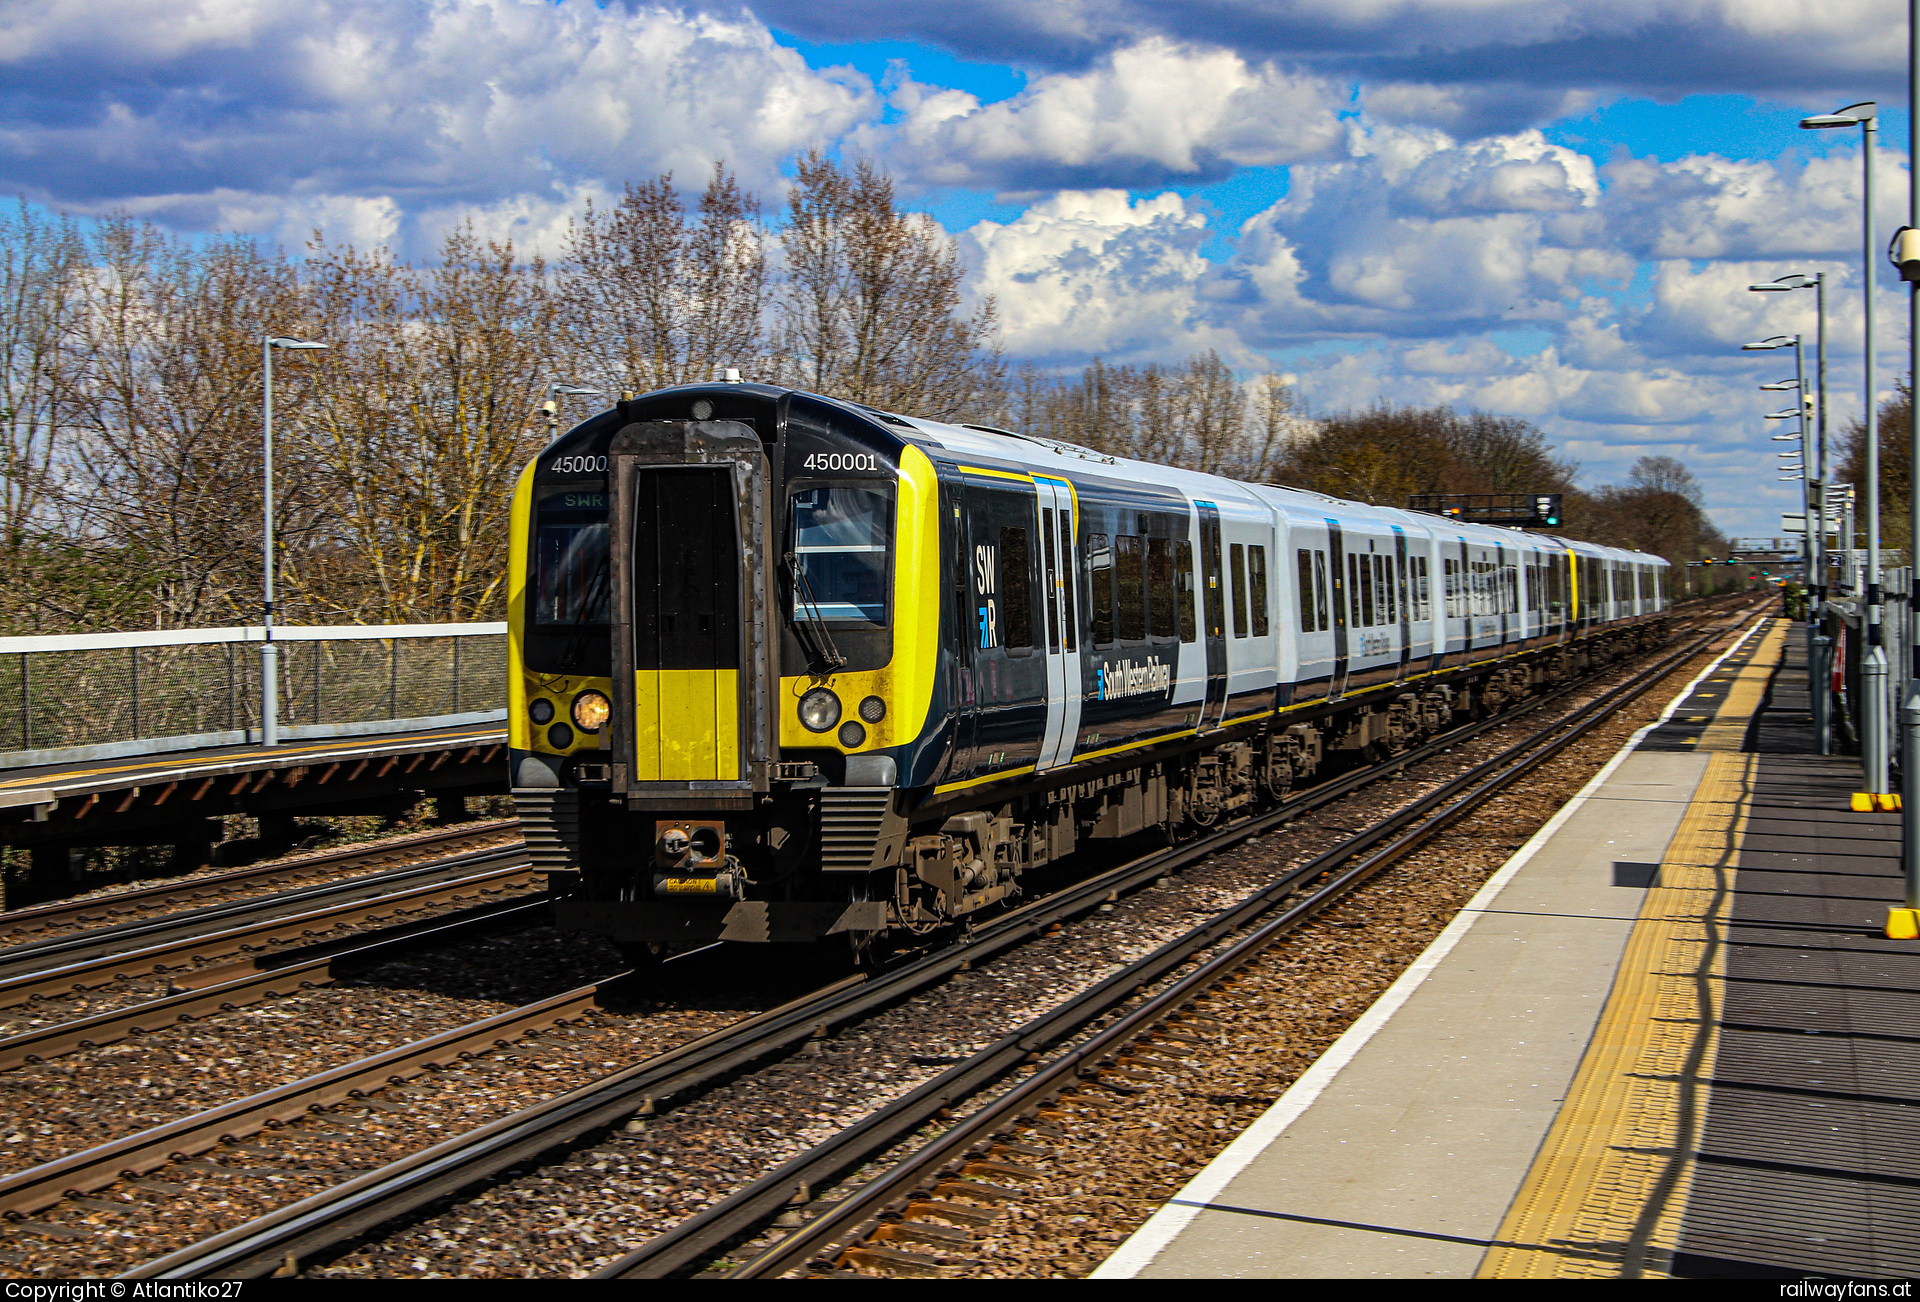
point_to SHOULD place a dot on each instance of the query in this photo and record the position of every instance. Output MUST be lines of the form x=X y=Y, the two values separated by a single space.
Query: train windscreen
x=571 y=560
x=840 y=536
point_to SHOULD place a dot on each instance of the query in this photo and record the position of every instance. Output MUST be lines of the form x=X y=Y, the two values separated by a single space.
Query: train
x=788 y=668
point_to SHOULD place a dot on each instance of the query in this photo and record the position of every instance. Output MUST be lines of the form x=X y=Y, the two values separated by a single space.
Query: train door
x=1501 y=596
x=1214 y=616
x=691 y=658
x=1337 y=548
x=1059 y=583
x=1405 y=606
x=959 y=656
x=1007 y=624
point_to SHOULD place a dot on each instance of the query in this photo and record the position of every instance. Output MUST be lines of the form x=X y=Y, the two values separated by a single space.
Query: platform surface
x=48 y=783
x=1665 y=1039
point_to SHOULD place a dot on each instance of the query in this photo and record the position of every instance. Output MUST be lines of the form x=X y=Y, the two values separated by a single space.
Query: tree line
x=131 y=358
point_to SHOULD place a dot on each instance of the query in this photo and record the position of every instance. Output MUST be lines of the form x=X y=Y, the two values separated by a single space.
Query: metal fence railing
x=103 y=695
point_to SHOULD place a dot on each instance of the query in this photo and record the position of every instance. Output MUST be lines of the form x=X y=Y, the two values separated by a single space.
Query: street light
x=1817 y=702
x=1906 y=923
x=269 y=653
x=1819 y=646
x=557 y=389
x=1873 y=661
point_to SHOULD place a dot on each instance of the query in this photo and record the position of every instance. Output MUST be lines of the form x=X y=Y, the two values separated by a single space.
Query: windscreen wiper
x=822 y=651
x=595 y=602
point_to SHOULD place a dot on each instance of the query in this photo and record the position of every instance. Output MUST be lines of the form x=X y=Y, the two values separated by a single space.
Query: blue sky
x=1540 y=208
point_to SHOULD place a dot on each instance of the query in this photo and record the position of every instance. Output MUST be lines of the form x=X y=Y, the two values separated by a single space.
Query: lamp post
x=269 y=653
x=1875 y=707
x=556 y=390
x=1798 y=412
x=1904 y=923
x=1819 y=645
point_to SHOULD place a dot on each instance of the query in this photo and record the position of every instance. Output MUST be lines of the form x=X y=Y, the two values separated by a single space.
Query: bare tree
x=1896 y=466
x=164 y=401
x=1385 y=454
x=871 y=305
x=650 y=300
x=42 y=265
x=420 y=422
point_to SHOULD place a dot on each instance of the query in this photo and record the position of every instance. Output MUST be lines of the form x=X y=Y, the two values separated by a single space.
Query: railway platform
x=1668 y=1038
x=175 y=798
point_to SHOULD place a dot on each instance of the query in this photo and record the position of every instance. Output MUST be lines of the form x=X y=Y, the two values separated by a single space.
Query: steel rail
x=255 y=980
x=263 y=1245
x=175 y=957
x=217 y=886
x=853 y=1217
x=65 y=950
x=134 y=1155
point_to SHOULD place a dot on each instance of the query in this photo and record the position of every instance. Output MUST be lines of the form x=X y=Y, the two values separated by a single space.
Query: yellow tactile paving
x=1728 y=731
x=1604 y=1196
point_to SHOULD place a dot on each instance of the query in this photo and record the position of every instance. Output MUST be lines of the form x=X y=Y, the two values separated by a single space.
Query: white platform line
x=1166 y=1225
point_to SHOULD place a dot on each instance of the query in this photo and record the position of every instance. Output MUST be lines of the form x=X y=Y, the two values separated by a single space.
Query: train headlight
x=541 y=710
x=559 y=736
x=873 y=709
x=590 y=711
x=852 y=734
x=819 y=710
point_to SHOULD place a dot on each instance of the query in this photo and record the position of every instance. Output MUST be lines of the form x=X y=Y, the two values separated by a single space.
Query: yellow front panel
x=686 y=725
x=906 y=682
x=646 y=726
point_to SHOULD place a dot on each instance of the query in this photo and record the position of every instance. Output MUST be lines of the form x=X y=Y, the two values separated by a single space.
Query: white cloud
x=1090 y=272
x=1153 y=109
x=244 y=109
x=1416 y=234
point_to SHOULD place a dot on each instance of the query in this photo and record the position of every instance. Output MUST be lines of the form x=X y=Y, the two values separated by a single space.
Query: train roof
x=1037 y=453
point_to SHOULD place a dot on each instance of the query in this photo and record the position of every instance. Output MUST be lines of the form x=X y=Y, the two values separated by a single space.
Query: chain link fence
x=101 y=695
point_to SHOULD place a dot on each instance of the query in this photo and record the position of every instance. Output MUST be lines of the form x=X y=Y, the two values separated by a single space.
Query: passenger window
x=1304 y=562
x=1133 y=588
x=1363 y=591
x=1160 y=585
x=1102 y=566
x=1049 y=579
x=1183 y=577
x=1320 y=589
x=1237 y=558
x=1257 y=585
x=1071 y=632
x=1016 y=582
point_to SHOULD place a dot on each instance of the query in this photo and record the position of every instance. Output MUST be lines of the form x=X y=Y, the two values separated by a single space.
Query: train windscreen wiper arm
x=822 y=650
x=594 y=602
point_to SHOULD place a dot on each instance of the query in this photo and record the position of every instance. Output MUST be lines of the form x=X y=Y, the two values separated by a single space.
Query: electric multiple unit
x=786 y=667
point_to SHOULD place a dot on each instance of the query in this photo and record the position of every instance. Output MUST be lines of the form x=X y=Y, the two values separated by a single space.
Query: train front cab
x=749 y=581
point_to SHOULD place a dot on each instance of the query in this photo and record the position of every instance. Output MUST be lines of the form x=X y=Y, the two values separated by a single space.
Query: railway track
x=450 y=884
x=336 y=1214
x=178 y=947
x=24 y=929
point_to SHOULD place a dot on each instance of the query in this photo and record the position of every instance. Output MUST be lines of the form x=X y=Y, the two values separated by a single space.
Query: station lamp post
x=557 y=390
x=270 y=653
x=1903 y=923
x=1876 y=729
x=1819 y=645
x=1798 y=413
